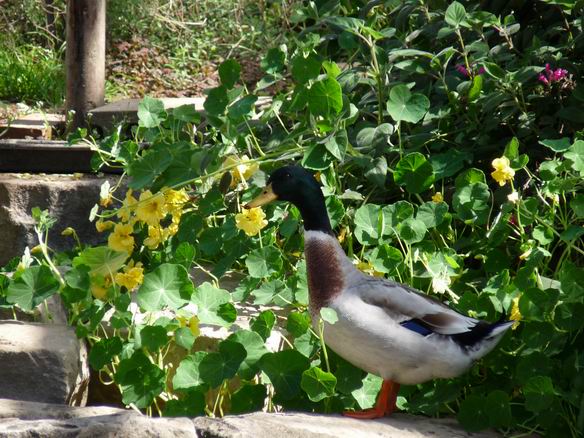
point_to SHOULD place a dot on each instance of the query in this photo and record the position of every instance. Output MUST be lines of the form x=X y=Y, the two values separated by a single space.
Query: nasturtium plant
x=448 y=141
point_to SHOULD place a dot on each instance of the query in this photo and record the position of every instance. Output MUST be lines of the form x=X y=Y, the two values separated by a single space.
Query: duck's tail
x=482 y=338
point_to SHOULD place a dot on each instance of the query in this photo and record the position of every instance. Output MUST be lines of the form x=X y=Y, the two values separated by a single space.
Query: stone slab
x=68 y=198
x=35 y=125
x=25 y=419
x=42 y=363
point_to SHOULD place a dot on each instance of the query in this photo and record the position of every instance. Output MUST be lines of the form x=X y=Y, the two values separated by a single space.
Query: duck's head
x=298 y=186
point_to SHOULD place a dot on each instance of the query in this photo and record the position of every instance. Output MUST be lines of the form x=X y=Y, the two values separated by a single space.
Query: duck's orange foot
x=385 y=403
x=366 y=414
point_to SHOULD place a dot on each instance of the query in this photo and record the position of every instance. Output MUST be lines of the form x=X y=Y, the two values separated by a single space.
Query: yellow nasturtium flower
x=127 y=208
x=152 y=208
x=155 y=237
x=132 y=276
x=99 y=287
x=243 y=170
x=503 y=172
x=251 y=221
x=192 y=323
x=121 y=239
x=437 y=198
x=102 y=226
x=367 y=267
x=515 y=313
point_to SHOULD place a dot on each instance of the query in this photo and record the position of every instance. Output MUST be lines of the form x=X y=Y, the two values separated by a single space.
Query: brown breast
x=323 y=269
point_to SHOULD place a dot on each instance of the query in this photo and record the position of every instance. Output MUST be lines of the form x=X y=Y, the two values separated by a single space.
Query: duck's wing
x=411 y=309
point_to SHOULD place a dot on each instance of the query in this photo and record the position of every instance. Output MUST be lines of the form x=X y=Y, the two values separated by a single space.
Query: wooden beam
x=85 y=57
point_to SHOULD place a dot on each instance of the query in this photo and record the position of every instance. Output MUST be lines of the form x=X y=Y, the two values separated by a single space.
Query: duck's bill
x=264 y=198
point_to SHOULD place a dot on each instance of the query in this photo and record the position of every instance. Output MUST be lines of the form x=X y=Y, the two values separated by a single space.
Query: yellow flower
x=192 y=323
x=36 y=250
x=243 y=170
x=99 y=287
x=68 y=232
x=437 y=198
x=121 y=239
x=132 y=276
x=503 y=171
x=515 y=313
x=104 y=202
x=368 y=268
x=127 y=208
x=155 y=237
x=152 y=208
x=102 y=226
x=171 y=230
x=251 y=221
x=175 y=199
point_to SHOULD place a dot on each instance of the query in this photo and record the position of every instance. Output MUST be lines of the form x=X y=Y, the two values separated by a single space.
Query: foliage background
x=401 y=107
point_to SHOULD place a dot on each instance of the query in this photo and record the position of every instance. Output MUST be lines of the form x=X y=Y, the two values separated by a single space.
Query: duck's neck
x=315 y=215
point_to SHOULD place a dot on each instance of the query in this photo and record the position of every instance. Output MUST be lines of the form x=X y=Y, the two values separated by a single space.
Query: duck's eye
x=287 y=175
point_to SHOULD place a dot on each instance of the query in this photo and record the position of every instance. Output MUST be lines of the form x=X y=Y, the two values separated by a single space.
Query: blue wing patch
x=415 y=326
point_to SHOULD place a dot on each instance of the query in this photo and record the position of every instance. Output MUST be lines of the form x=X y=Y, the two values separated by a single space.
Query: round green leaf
x=329 y=315
x=153 y=337
x=103 y=351
x=187 y=374
x=249 y=398
x=325 y=98
x=264 y=323
x=471 y=202
x=217 y=100
x=168 y=285
x=284 y=369
x=412 y=230
x=209 y=300
x=35 y=285
x=255 y=350
x=473 y=414
x=101 y=260
x=368 y=391
x=193 y=405
x=229 y=71
x=414 y=172
x=297 y=323
x=216 y=367
x=264 y=262
x=305 y=68
x=318 y=384
x=432 y=213
x=405 y=106
x=151 y=112
x=184 y=337
x=498 y=409
x=367 y=224
x=147 y=168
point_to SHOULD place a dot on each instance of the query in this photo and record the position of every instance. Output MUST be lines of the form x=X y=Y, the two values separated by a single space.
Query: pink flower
x=548 y=76
x=462 y=70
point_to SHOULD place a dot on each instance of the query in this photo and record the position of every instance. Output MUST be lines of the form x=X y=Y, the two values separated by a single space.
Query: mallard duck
x=385 y=328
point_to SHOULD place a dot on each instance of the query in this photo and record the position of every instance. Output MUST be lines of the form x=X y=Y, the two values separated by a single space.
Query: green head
x=298 y=186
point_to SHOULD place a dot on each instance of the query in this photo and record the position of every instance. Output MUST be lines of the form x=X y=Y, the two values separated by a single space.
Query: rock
x=69 y=200
x=43 y=363
x=27 y=419
x=299 y=425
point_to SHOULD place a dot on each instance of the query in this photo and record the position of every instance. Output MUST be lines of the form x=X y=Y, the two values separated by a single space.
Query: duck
x=383 y=327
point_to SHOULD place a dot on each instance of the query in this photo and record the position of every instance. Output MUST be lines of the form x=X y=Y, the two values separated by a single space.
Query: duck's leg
x=385 y=403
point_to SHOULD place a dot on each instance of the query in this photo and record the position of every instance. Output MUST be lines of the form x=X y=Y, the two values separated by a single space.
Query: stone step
x=35 y=125
x=42 y=363
x=27 y=419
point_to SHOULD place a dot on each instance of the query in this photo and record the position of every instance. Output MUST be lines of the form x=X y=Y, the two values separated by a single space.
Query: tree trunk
x=85 y=57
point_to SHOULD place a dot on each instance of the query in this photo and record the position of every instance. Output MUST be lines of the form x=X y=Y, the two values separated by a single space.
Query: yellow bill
x=264 y=198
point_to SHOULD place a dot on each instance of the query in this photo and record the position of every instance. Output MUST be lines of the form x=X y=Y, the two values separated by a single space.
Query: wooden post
x=85 y=57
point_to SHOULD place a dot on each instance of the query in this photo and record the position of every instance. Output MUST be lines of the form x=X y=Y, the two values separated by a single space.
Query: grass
x=31 y=74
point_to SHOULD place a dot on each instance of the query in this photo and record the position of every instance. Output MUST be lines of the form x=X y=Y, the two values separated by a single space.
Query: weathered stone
x=297 y=425
x=26 y=419
x=35 y=125
x=68 y=198
x=42 y=362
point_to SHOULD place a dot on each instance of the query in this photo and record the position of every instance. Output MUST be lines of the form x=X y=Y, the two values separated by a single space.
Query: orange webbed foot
x=385 y=403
